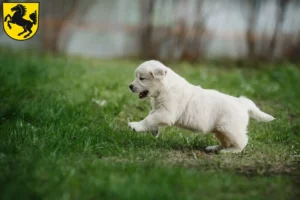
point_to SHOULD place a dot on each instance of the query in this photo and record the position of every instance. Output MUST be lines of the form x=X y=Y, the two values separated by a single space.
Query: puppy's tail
x=254 y=111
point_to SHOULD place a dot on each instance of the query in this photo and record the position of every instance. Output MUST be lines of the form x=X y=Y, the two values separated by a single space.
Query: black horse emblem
x=17 y=18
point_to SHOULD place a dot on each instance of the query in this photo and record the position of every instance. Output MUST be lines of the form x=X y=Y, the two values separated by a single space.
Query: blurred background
x=65 y=102
x=189 y=30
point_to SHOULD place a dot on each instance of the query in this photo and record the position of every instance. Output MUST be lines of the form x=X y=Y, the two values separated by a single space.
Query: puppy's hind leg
x=238 y=144
x=223 y=142
x=232 y=141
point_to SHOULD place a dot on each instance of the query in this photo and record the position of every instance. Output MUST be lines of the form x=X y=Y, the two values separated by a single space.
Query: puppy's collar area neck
x=156 y=96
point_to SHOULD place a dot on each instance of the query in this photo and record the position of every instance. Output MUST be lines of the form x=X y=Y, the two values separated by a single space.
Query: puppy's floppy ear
x=158 y=73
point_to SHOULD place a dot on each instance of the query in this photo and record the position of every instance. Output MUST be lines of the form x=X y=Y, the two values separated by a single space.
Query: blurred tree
x=146 y=10
x=253 y=7
x=291 y=48
x=179 y=37
x=54 y=14
x=280 y=15
x=267 y=45
x=194 y=45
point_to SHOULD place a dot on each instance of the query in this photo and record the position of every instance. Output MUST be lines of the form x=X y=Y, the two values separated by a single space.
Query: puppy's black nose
x=131 y=86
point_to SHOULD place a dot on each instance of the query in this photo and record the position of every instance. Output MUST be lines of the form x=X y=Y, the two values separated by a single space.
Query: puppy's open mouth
x=143 y=94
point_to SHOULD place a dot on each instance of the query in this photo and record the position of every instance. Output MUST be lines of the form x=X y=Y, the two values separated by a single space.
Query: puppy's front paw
x=136 y=126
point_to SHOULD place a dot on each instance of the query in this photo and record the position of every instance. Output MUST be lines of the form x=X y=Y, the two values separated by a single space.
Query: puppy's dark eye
x=142 y=79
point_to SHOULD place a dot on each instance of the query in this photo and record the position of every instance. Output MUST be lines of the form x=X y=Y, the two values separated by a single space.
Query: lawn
x=64 y=134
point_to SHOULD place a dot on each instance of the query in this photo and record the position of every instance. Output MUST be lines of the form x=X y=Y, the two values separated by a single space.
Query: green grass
x=57 y=143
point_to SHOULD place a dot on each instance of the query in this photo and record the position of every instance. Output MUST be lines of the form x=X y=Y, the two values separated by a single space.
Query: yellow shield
x=20 y=20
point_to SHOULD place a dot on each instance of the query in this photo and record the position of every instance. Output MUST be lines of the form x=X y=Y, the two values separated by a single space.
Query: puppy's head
x=149 y=78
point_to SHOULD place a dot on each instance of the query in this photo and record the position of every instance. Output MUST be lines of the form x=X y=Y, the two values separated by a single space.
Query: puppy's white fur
x=176 y=102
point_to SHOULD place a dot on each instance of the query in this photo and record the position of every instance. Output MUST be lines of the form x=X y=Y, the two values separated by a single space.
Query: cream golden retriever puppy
x=176 y=102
